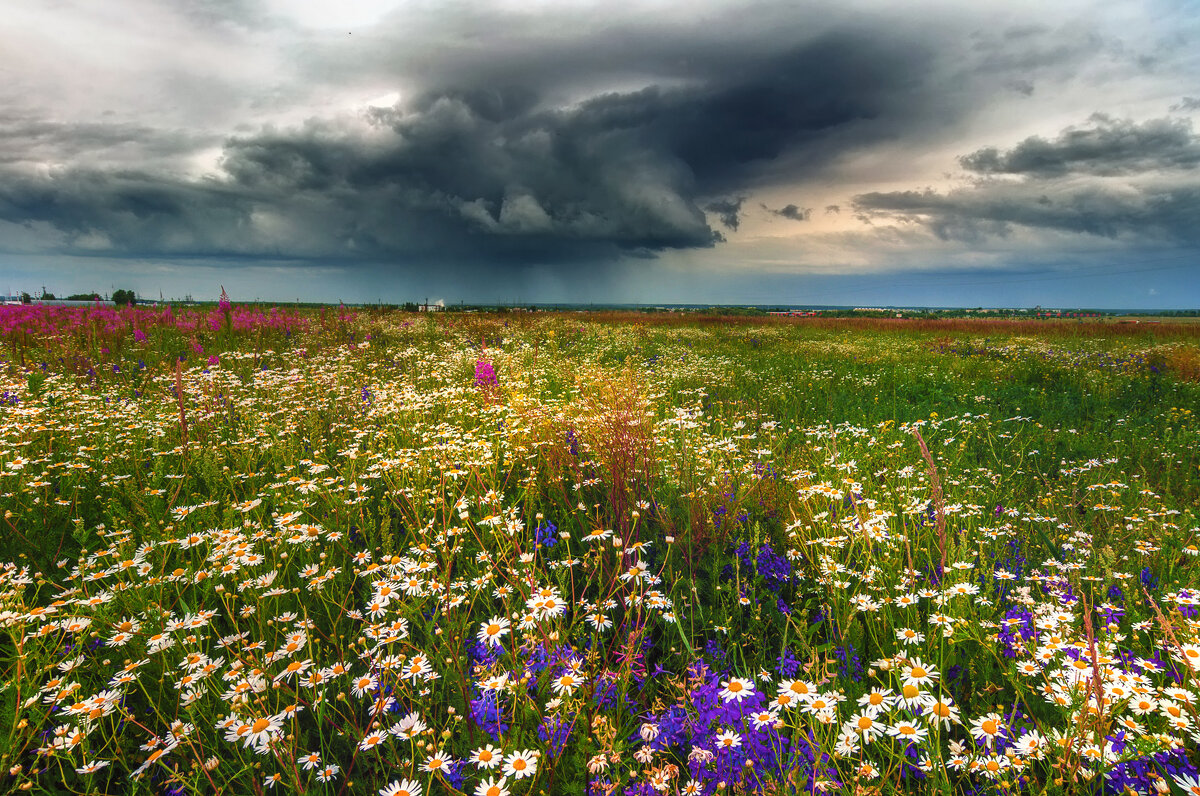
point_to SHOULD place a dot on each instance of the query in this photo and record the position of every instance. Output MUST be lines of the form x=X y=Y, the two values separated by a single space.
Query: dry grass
x=1184 y=362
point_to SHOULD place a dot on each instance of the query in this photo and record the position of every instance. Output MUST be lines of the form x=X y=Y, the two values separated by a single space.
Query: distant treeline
x=119 y=297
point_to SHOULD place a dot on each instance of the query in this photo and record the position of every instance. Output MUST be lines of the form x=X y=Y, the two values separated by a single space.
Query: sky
x=930 y=153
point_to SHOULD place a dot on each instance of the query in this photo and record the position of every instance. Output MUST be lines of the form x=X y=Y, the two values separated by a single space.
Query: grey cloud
x=1113 y=179
x=973 y=215
x=728 y=211
x=1024 y=87
x=792 y=212
x=26 y=138
x=548 y=137
x=486 y=171
x=1186 y=104
x=1107 y=147
x=478 y=172
x=1018 y=32
x=834 y=209
x=1039 y=50
x=569 y=52
x=224 y=13
x=126 y=211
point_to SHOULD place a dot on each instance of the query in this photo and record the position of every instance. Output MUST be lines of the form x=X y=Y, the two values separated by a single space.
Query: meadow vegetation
x=395 y=553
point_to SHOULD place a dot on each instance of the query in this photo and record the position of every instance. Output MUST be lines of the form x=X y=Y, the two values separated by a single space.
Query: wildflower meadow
x=340 y=551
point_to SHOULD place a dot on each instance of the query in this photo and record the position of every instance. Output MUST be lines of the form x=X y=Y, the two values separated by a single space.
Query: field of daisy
x=369 y=552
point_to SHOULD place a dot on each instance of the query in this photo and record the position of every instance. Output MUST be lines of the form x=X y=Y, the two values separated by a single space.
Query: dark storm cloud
x=793 y=212
x=568 y=133
x=575 y=51
x=485 y=172
x=126 y=211
x=1111 y=179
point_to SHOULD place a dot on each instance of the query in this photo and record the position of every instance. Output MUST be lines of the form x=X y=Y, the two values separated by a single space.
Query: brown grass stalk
x=939 y=499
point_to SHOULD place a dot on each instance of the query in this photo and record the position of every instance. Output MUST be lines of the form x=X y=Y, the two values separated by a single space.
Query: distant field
x=381 y=552
x=1149 y=325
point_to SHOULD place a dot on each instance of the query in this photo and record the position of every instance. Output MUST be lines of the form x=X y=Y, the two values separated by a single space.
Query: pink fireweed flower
x=485 y=374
